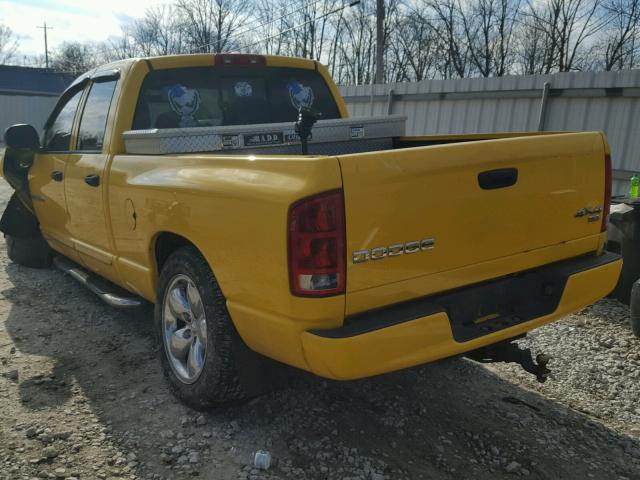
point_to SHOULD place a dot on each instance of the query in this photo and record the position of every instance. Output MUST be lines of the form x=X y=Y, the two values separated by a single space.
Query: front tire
x=31 y=252
x=195 y=332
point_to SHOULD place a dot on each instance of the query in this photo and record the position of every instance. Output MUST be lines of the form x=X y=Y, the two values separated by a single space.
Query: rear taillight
x=317 y=245
x=606 y=207
x=239 y=59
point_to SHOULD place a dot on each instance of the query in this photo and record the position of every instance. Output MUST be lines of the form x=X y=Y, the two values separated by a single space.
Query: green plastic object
x=635 y=186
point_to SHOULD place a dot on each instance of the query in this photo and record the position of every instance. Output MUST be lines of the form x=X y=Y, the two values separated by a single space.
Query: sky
x=82 y=20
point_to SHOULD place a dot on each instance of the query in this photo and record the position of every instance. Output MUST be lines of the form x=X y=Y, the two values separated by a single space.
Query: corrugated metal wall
x=31 y=109
x=607 y=101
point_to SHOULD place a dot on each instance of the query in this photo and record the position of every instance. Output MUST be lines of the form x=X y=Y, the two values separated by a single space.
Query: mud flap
x=15 y=169
x=18 y=221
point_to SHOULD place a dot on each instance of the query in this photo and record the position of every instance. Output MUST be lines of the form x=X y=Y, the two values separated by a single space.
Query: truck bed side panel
x=234 y=210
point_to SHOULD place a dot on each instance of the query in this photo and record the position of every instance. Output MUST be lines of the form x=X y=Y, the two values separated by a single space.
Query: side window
x=57 y=134
x=94 y=116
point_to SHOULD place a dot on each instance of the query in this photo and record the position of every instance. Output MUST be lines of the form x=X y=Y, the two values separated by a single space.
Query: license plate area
x=482 y=308
x=492 y=306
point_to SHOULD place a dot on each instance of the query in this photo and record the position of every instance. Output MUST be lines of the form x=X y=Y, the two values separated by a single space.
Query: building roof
x=33 y=81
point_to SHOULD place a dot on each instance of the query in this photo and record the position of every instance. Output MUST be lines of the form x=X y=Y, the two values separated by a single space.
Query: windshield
x=215 y=96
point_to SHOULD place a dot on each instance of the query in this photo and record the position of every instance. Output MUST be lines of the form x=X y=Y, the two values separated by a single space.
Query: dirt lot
x=82 y=397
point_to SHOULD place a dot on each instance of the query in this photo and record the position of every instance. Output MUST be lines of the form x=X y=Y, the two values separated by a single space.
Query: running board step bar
x=110 y=294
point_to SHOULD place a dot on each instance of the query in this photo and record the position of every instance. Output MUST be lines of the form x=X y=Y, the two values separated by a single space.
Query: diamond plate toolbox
x=344 y=135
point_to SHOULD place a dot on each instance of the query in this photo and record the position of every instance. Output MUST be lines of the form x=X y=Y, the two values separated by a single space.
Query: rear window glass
x=208 y=96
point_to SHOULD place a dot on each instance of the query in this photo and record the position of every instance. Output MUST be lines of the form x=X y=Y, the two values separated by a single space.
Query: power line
x=335 y=10
x=278 y=19
x=251 y=29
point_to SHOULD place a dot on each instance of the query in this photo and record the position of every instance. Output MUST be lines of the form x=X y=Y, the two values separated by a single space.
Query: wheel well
x=166 y=244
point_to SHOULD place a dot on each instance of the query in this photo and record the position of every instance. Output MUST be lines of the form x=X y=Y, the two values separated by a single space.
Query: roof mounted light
x=233 y=59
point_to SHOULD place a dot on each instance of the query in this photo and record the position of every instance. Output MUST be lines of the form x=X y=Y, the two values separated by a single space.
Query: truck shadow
x=448 y=420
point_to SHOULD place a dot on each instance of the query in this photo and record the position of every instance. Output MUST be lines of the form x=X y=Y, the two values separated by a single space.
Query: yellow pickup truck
x=352 y=259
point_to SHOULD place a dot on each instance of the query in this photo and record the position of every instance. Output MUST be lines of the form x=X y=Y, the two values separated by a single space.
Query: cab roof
x=192 y=60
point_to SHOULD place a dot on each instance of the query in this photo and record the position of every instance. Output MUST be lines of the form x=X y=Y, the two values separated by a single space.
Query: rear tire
x=195 y=333
x=31 y=252
x=635 y=308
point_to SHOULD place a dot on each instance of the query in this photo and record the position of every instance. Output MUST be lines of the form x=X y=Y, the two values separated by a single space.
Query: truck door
x=47 y=174
x=85 y=182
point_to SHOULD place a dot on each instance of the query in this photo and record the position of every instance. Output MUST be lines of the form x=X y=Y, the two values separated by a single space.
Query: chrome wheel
x=184 y=328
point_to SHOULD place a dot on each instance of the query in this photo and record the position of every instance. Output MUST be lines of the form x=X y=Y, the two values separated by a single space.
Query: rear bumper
x=444 y=325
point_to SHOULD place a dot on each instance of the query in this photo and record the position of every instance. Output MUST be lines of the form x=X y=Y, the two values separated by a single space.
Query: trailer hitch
x=509 y=352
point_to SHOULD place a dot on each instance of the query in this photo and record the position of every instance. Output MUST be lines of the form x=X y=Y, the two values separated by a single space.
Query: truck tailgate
x=478 y=202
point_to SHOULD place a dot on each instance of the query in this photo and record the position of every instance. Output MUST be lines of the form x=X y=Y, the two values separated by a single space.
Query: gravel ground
x=82 y=397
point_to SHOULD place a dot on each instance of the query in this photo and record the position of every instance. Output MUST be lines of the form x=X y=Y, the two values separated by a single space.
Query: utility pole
x=46 y=47
x=379 y=41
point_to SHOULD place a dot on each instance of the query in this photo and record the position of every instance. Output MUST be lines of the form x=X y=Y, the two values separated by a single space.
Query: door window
x=94 y=116
x=57 y=134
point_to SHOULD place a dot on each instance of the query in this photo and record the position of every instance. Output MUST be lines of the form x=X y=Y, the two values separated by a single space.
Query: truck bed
x=491 y=204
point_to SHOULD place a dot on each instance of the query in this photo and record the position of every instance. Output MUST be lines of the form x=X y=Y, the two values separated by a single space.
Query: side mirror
x=22 y=136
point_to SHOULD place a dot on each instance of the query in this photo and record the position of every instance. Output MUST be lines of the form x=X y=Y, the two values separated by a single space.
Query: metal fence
x=32 y=109
x=27 y=95
x=606 y=101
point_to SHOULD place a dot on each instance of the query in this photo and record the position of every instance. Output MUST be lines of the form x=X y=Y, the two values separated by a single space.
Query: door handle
x=56 y=175
x=500 y=178
x=92 y=180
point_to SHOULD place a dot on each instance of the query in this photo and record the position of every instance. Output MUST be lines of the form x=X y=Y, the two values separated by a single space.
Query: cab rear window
x=217 y=96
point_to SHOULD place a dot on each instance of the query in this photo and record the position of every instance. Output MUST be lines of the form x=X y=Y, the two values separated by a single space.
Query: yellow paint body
x=233 y=208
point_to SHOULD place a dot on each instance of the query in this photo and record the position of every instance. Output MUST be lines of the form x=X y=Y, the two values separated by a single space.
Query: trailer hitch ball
x=542 y=359
x=509 y=352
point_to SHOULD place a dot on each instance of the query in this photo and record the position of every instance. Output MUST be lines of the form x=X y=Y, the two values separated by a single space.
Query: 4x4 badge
x=592 y=212
x=588 y=211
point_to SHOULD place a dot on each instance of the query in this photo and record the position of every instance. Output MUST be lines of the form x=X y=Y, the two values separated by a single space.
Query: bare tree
x=8 y=44
x=116 y=48
x=160 y=31
x=413 y=46
x=488 y=27
x=74 y=57
x=620 y=38
x=380 y=41
x=304 y=29
x=35 y=61
x=210 y=25
x=337 y=24
x=422 y=38
x=567 y=26
x=265 y=34
x=532 y=47
x=448 y=25
x=356 y=46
